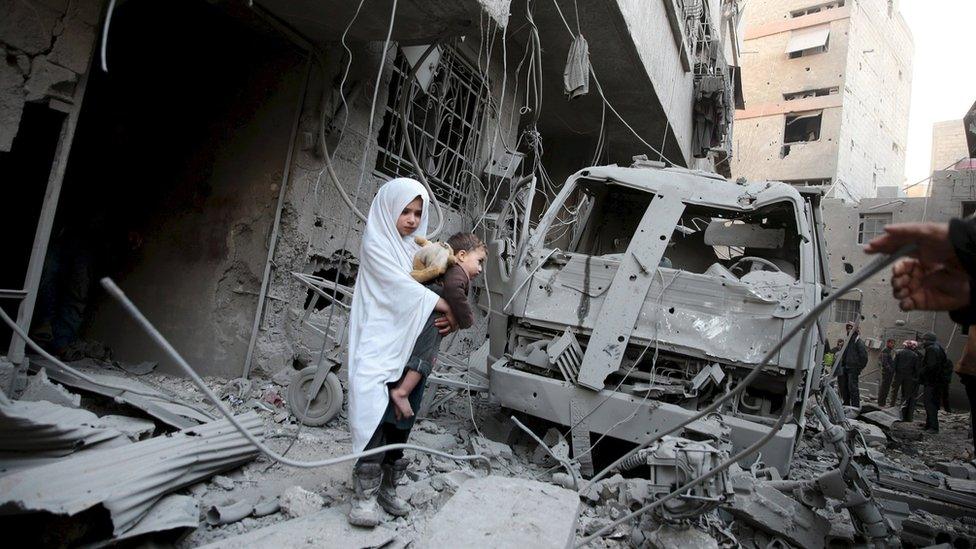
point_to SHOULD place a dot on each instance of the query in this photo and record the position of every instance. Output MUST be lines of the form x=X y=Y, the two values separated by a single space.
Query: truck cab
x=644 y=293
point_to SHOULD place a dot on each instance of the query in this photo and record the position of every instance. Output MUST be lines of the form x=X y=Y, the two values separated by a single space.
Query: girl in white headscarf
x=389 y=311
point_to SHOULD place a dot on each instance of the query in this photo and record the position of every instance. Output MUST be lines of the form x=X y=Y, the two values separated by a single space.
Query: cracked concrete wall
x=879 y=310
x=316 y=224
x=45 y=46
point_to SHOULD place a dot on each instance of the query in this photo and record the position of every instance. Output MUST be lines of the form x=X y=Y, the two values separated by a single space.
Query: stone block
x=133 y=427
x=49 y=80
x=503 y=512
x=27 y=26
x=73 y=47
x=299 y=502
x=11 y=100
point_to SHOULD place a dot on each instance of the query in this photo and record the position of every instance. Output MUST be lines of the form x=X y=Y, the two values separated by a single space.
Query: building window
x=968 y=209
x=820 y=92
x=847 y=310
x=871 y=226
x=444 y=122
x=808 y=41
x=802 y=127
x=817 y=9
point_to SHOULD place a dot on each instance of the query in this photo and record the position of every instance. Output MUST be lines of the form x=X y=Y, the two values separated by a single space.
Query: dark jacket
x=855 y=355
x=962 y=236
x=933 y=364
x=455 y=293
x=887 y=358
x=908 y=363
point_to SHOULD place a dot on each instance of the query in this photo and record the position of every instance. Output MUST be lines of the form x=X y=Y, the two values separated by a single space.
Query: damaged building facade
x=238 y=199
x=660 y=324
x=827 y=87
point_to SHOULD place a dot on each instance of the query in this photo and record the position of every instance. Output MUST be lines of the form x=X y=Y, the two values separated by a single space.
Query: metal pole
x=262 y=296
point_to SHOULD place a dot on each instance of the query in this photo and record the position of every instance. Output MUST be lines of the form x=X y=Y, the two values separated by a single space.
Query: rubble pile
x=86 y=446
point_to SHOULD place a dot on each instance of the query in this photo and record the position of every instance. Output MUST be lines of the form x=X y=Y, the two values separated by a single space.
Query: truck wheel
x=324 y=406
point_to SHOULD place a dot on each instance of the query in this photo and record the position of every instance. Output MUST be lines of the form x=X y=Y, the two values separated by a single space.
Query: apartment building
x=827 y=88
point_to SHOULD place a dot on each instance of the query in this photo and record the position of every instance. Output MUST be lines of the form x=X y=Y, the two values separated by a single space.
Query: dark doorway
x=172 y=181
x=24 y=171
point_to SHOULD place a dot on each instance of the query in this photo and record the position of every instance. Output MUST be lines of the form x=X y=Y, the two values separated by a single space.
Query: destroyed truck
x=645 y=293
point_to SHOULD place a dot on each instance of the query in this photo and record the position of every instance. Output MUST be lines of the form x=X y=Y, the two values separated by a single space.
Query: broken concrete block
x=956 y=470
x=872 y=433
x=769 y=510
x=72 y=48
x=880 y=418
x=27 y=26
x=489 y=448
x=224 y=482
x=11 y=101
x=505 y=512
x=49 y=80
x=668 y=536
x=41 y=388
x=299 y=502
x=133 y=427
x=438 y=441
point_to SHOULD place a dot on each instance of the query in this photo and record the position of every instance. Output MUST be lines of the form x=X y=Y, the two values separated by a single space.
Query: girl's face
x=409 y=218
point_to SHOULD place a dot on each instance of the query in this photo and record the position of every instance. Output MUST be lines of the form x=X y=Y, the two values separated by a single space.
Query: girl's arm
x=445 y=309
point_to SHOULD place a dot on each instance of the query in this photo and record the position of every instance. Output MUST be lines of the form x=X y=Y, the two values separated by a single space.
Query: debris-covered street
x=487 y=273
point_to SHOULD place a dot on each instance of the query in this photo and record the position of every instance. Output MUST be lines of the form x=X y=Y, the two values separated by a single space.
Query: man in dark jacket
x=852 y=361
x=907 y=366
x=932 y=377
x=887 y=374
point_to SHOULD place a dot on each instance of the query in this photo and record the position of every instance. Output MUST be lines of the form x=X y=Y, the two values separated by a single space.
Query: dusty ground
x=464 y=421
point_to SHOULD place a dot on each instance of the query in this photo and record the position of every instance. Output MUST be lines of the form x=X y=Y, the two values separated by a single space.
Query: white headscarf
x=389 y=308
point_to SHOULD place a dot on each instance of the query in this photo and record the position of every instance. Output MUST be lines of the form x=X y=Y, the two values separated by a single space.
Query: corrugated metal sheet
x=42 y=429
x=128 y=481
x=159 y=405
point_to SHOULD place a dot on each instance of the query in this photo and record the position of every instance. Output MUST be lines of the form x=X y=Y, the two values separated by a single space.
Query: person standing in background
x=887 y=374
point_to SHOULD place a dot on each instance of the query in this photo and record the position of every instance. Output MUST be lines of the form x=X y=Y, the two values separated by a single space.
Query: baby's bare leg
x=401 y=393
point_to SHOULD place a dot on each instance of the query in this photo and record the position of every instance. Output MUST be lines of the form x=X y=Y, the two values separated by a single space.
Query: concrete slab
x=872 y=433
x=880 y=418
x=504 y=512
x=327 y=528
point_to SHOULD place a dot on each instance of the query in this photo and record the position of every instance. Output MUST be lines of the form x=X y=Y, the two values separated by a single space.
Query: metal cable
x=114 y=291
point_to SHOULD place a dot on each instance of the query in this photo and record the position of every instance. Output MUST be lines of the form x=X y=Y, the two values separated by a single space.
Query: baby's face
x=409 y=218
x=472 y=261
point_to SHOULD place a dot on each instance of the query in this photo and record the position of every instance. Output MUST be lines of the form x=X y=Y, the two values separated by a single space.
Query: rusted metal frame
x=628 y=291
x=273 y=242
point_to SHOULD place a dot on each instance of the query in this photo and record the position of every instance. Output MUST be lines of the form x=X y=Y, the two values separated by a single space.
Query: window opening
x=820 y=92
x=847 y=310
x=871 y=226
x=803 y=127
x=445 y=124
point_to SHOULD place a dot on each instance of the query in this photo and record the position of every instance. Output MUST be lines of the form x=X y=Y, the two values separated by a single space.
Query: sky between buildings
x=944 y=79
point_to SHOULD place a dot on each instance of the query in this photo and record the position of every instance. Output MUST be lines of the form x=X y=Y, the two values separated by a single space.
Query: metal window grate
x=847 y=310
x=444 y=123
x=871 y=226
